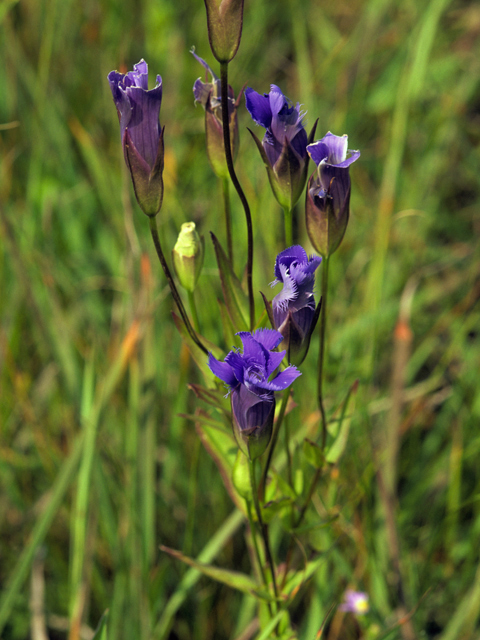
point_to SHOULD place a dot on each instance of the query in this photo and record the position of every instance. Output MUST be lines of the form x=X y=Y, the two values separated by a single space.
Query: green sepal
x=340 y=429
x=235 y=298
x=241 y=476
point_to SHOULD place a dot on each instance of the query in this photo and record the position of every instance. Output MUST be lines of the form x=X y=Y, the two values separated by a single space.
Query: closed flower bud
x=327 y=207
x=209 y=96
x=294 y=311
x=224 y=22
x=142 y=136
x=246 y=375
x=188 y=255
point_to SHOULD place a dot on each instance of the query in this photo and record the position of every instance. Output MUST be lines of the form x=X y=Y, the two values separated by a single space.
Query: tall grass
x=98 y=466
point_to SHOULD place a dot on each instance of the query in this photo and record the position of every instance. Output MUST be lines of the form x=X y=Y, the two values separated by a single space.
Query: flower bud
x=188 y=256
x=142 y=136
x=327 y=206
x=224 y=22
x=209 y=96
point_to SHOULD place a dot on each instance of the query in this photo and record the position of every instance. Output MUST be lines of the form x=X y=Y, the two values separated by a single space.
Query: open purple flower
x=294 y=312
x=355 y=602
x=142 y=137
x=284 y=145
x=328 y=192
x=252 y=394
x=208 y=94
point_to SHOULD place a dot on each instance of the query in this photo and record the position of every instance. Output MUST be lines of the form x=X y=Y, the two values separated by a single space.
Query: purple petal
x=337 y=147
x=222 y=370
x=254 y=354
x=287 y=294
x=235 y=360
x=201 y=92
x=287 y=256
x=204 y=64
x=143 y=125
x=274 y=361
x=269 y=338
x=283 y=380
x=335 y=181
x=258 y=107
x=318 y=151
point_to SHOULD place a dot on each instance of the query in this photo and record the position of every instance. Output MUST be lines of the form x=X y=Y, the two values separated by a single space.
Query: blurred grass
x=99 y=479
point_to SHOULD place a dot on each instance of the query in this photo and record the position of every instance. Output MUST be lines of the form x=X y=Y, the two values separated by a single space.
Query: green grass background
x=97 y=467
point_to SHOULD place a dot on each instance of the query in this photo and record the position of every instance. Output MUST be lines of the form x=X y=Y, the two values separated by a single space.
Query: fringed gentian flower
x=328 y=192
x=209 y=96
x=284 y=146
x=355 y=602
x=247 y=376
x=294 y=312
x=142 y=136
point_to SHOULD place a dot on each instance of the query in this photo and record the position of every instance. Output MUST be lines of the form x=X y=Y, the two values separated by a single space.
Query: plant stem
x=173 y=288
x=236 y=184
x=288 y=226
x=255 y=545
x=323 y=322
x=263 y=527
x=193 y=310
x=273 y=441
x=228 y=218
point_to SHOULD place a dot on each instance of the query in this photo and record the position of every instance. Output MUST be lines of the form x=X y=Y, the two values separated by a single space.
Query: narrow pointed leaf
x=233 y=579
x=235 y=299
x=197 y=354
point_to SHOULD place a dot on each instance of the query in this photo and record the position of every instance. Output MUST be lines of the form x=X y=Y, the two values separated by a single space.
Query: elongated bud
x=224 y=21
x=188 y=256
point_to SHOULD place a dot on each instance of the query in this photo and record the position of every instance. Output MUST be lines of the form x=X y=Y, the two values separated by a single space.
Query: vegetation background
x=97 y=466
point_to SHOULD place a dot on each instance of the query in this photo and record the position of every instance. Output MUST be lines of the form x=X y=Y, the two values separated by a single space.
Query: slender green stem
x=288 y=226
x=255 y=545
x=192 y=494
x=236 y=184
x=273 y=441
x=286 y=431
x=263 y=526
x=171 y=282
x=193 y=310
x=228 y=218
x=323 y=323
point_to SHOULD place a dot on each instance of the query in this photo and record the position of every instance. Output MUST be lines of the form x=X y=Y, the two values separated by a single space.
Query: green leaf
x=234 y=579
x=313 y=453
x=235 y=299
x=222 y=447
x=101 y=632
x=213 y=397
x=338 y=446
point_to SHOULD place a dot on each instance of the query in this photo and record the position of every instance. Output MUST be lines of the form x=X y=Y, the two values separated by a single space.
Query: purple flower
x=294 y=311
x=328 y=192
x=284 y=145
x=209 y=96
x=355 y=602
x=252 y=394
x=142 y=137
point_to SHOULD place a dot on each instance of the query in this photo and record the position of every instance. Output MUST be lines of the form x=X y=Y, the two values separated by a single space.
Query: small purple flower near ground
x=294 y=307
x=328 y=192
x=247 y=374
x=142 y=136
x=355 y=602
x=284 y=145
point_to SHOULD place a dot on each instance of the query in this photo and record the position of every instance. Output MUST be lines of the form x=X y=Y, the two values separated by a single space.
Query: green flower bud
x=187 y=256
x=224 y=21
